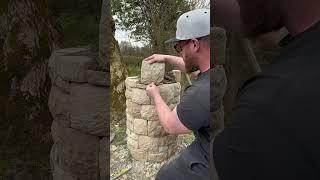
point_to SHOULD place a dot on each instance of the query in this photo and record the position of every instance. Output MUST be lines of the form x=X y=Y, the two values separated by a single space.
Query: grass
x=134 y=64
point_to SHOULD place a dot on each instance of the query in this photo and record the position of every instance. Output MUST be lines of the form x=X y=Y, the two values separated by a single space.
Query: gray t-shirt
x=194 y=110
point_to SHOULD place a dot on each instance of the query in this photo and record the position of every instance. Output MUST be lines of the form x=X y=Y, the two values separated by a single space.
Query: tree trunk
x=27 y=39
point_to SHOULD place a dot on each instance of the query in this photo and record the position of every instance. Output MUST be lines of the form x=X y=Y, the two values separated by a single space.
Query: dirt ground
x=121 y=160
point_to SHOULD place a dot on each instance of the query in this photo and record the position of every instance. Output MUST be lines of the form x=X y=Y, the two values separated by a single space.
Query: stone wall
x=78 y=103
x=147 y=140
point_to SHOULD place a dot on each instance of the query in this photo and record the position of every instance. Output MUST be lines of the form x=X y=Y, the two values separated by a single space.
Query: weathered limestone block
x=104 y=159
x=152 y=72
x=149 y=112
x=140 y=126
x=157 y=157
x=73 y=68
x=133 y=109
x=98 y=78
x=131 y=82
x=59 y=105
x=155 y=129
x=140 y=96
x=139 y=154
x=76 y=153
x=128 y=94
x=177 y=75
x=89 y=112
x=130 y=122
x=169 y=91
x=62 y=84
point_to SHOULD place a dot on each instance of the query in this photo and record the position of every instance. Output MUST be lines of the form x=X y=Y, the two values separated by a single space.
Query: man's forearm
x=164 y=113
x=177 y=62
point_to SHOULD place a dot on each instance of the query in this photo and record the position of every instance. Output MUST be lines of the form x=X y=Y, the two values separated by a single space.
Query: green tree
x=152 y=21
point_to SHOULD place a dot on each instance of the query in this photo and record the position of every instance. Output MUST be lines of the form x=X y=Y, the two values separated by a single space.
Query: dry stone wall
x=78 y=103
x=147 y=140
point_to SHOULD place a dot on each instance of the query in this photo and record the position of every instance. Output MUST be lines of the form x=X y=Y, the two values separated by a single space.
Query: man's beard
x=260 y=17
x=189 y=62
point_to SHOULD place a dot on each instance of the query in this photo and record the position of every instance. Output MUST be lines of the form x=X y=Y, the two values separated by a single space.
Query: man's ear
x=195 y=45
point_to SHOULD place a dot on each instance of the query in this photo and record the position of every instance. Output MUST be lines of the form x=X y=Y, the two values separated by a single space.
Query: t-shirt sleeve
x=193 y=109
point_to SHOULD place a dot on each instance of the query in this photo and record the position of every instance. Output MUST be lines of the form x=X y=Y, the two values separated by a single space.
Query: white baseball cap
x=192 y=24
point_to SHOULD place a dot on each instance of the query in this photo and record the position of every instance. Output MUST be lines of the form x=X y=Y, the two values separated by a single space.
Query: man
x=275 y=128
x=192 y=42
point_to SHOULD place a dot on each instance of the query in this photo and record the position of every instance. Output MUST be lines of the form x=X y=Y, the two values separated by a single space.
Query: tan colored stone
x=169 y=91
x=89 y=112
x=132 y=142
x=139 y=154
x=149 y=113
x=140 y=96
x=157 y=157
x=133 y=109
x=175 y=100
x=163 y=149
x=152 y=72
x=140 y=126
x=155 y=129
x=131 y=82
x=129 y=124
x=171 y=150
x=144 y=142
x=128 y=94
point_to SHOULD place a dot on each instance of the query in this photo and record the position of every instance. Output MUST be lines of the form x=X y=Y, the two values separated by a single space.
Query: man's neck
x=301 y=15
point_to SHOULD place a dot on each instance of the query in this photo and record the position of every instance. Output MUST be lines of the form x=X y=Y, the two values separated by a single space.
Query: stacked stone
x=147 y=140
x=78 y=103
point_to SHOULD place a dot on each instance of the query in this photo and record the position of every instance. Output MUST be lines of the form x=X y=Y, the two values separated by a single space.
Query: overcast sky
x=121 y=35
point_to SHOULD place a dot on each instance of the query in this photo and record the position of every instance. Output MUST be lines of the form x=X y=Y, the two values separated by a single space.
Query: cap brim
x=172 y=40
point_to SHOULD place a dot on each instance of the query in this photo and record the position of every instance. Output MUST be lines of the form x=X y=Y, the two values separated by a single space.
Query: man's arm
x=168 y=119
x=174 y=60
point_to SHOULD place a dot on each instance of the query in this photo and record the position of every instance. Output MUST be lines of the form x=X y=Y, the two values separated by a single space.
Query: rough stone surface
x=141 y=126
x=98 y=78
x=89 y=112
x=140 y=96
x=73 y=68
x=149 y=112
x=155 y=129
x=146 y=138
x=133 y=109
x=152 y=72
x=62 y=84
x=59 y=105
x=75 y=153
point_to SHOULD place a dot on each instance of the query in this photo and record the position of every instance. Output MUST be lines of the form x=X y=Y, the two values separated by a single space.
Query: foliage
x=78 y=20
x=152 y=21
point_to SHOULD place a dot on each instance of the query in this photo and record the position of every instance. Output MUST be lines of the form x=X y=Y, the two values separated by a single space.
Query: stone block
x=149 y=113
x=75 y=152
x=169 y=91
x=128 y=94
x=59 y=106
x=104 y=158
x=131 y=82
x=89 y=112
x=140 y=96
x=152 y=72
x=163 y=149
x=133 y=109
x=129 y=124
x=73 y=68
x=133 y=143
x=144 y=142
x=139 y=154
x=62 y=84
x=140 y=126
x=98 y=78
x=155 y=129
x=171 y=150
x=157 y=157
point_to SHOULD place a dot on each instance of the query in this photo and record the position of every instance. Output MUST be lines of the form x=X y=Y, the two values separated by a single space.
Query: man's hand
x=152 y=90
x=156 y=58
